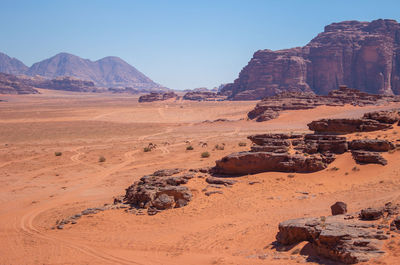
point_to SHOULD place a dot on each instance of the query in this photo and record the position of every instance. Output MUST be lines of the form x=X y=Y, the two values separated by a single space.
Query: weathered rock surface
x=365 y=157
x=220 y=181
x=339 y=208
x=243 y=163
x=203 y=96
x=344 y=126
x=159 y=191
x=390 y=117
x=155 y=96
x=339 y=237
x=334 y=237
x=337 y=56
x=375 y=145
x=371 y=214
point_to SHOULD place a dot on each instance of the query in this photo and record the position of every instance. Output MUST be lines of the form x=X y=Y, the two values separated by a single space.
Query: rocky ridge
x=311 y=152
x=203 y=96
x=11 y=84
x=156 y=96
x=270 y=107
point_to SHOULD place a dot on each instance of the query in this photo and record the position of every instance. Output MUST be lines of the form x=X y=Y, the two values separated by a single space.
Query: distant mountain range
x=109 y=72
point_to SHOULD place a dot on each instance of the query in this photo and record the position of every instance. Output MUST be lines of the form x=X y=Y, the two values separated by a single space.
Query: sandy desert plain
x=239 y=226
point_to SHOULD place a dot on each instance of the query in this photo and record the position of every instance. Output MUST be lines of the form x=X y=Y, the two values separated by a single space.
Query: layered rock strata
x=362 y=55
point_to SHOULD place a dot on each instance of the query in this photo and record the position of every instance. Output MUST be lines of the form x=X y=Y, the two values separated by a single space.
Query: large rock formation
x=203 y=96
x=68 y=84
x=344 y=126
x=244 y=163
x=362 y=55
x=155 y=96
x=160 y=191
x=11 y=84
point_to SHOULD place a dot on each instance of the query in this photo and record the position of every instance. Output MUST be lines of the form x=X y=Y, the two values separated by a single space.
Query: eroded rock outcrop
x=155 y=96
x=67 y=83
x=270 y=107
x=243 y=163
x=389 y=117
x=203 y=96
x=160 y=191
x=338 y=55
x=11 y=84
x=365 y=157
x=375 y=145
x=344 y=126
x=342 y=237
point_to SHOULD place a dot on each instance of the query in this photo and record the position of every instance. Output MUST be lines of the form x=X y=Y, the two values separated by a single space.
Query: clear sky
x=179 y=44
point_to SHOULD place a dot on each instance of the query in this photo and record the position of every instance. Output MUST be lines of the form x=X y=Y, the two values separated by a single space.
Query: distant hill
x=109 y=72
x=10 y=65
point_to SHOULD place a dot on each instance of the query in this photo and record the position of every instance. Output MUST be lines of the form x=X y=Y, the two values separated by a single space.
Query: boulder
x=220 y=181
x=371 y=213
x=162 y=190
x=339 y=208
x=390 y=117
x=375 y=145
x=365 y=157
x=243 y=163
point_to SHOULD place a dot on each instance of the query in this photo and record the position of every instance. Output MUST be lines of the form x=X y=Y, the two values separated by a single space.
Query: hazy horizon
x=178 y=44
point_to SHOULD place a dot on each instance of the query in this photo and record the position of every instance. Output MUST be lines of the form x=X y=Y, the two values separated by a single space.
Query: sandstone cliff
x=362 y=55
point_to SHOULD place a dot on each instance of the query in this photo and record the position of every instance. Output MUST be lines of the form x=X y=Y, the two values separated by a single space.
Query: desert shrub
x=392 y=151
x=205 y=154
x=290 y=176
x=355 y=169
x=57 y=153
x=242 y=144
x=220 y=147
x=189 y=148
x=102 y=159
x=335 y=169
x=146 y=149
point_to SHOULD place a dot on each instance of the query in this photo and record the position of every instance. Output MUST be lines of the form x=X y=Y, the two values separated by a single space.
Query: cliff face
x=362 y=55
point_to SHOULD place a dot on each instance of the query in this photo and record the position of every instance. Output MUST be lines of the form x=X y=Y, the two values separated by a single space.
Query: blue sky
x=180 y=44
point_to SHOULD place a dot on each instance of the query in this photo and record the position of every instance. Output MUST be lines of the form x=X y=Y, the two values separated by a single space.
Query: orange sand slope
x=38 y=188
